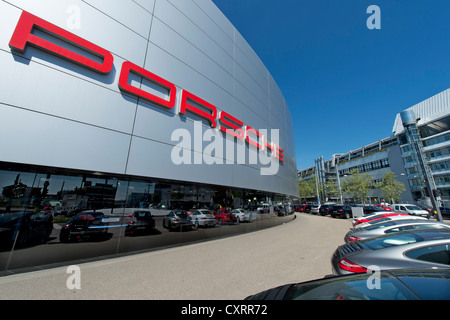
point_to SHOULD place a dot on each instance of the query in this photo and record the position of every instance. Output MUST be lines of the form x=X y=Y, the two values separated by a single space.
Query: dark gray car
x=392 y=226
x=426 y=248
x=177 y=219
x=413 y=284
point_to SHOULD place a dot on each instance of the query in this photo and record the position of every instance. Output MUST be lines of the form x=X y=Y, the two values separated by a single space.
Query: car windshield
x=379 y=220
x=88 y=216
x=380 y=225
x=142 y=215
x=346 y=288
x=413 y=208
x=8 y=217
x=396 y=240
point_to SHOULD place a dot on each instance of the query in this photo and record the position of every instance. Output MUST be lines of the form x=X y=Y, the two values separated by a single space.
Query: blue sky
x=343 y=82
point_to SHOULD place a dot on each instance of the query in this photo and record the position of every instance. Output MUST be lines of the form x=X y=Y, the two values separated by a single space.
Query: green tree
x=307 y=188
x=357 y=185
x=332 y=188
x=390 y=187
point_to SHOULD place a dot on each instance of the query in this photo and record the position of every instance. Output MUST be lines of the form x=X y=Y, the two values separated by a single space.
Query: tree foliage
x=307 y=188
x=391 y=188
x=357 y=185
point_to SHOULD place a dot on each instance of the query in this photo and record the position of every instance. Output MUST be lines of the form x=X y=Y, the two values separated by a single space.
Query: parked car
x=394 y=285
x=224 y=215
x=411 y=209
x=203 y=218
x=241 y=215
x=384 y=206
x=375 y=216
x=177 y=219
x=140 y=221
x=25 y=227
x=423 y=248
x=308 y=208
x=341 y=210
x=391 y=226
x=371 y=209
x=84 y=225
x=279 y=211
x=427 y=208
x=300 y=207
x=325 y=209
x=445 y=211
x=388 y=218
x=264 y=208
x=315 y=208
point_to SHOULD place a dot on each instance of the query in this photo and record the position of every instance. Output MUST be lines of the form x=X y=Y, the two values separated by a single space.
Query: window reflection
x=52 y=216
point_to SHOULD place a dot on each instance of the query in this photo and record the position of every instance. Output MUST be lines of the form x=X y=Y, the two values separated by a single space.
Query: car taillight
x=353 y=238
x=175 y=220
x=350 y=266
x=340 y=210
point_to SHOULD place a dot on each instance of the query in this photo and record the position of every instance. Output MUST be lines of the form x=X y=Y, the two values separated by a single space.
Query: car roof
x=407 y=277
x=425 y=234
x=398 y=223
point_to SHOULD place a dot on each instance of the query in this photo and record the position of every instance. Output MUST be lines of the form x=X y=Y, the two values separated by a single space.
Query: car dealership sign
x=103 y=64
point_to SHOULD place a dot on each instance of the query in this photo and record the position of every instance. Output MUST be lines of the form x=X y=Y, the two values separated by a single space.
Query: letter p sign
x=74 y=280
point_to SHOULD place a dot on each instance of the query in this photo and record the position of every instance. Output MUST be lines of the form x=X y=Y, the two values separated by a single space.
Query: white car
x=241 y=215
x=410 y=209
x=204 y=218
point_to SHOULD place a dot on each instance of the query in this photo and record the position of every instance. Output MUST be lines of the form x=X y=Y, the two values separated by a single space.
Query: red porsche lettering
x=23 y=35
x=190 y=103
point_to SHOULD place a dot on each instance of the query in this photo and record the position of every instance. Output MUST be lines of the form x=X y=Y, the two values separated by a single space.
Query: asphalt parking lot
x=228 y=268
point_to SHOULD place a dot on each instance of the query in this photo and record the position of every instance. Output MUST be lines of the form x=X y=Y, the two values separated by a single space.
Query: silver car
x=426 y=248
x=391 y=226
x=203 y=217
x=177 y=219
x=315 y=209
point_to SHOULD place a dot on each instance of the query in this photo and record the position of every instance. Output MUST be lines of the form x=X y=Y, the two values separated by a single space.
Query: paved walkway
x=225 y=269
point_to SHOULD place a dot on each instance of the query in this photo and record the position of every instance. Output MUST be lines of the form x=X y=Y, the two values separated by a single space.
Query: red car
x=377 y=216
x=224 y=215
x=385 y=207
